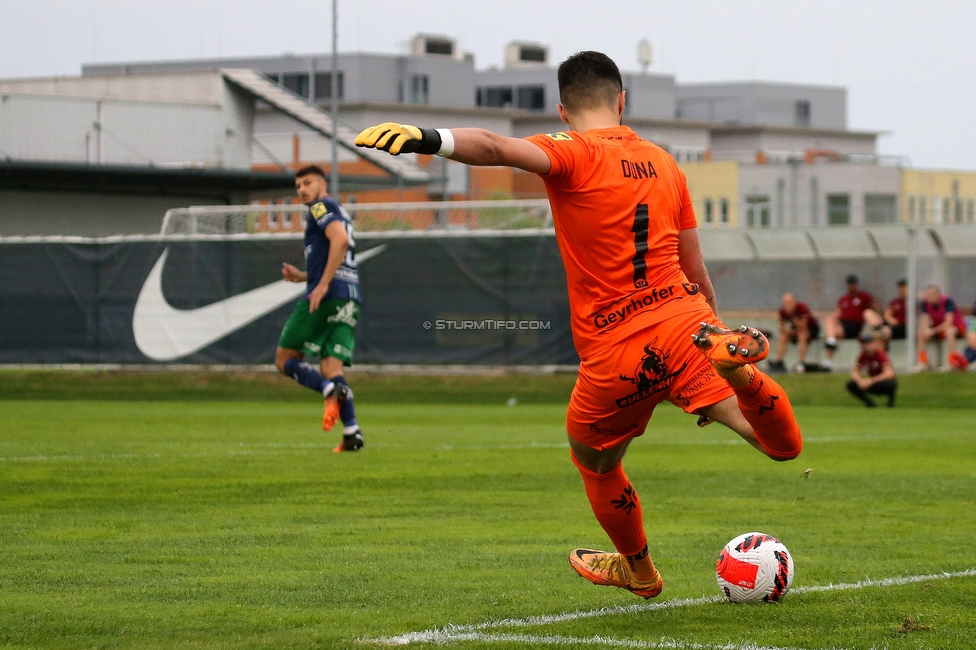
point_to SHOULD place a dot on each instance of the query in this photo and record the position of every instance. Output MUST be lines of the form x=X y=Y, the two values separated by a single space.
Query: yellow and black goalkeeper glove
x=400 y=138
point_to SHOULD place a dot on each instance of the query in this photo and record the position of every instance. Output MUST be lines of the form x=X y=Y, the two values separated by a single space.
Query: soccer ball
x=754 y=567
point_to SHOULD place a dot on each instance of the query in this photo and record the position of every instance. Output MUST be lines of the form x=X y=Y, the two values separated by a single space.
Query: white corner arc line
x=451 y=631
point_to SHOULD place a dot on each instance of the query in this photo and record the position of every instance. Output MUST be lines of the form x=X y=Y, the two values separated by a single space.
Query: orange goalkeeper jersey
x=618 y=203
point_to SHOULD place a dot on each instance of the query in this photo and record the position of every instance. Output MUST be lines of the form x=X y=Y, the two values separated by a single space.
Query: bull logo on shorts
x=651 y=368
x=652 y=374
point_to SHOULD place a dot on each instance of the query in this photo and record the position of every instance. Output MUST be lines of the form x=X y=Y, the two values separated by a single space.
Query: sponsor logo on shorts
x=695 y=384
x=645 y=301
x=651 y=376
x=346 y=314
x=613 y=432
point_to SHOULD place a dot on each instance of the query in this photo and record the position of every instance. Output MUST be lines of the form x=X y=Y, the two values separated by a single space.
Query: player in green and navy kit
x=324 y=321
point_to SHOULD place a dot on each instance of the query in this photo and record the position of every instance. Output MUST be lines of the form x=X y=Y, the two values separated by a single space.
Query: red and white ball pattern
x=754 y=567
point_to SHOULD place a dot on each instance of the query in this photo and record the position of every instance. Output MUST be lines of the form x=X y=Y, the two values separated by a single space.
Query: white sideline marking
x=230 y=449
x=674 y=442
x=441 y=638
x=459 y=632
x=233 y=449
x=221 y=450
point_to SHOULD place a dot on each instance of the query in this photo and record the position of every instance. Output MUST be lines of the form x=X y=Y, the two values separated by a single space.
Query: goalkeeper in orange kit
x=644 y=316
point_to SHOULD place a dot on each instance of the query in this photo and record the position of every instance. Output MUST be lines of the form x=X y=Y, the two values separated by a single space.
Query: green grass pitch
x=207 y=511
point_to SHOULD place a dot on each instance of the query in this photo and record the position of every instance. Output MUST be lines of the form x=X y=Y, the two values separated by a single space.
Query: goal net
x=433 y=215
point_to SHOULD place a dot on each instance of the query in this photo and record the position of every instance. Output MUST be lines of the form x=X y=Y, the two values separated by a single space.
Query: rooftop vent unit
x=525 y=54
x=429 y=45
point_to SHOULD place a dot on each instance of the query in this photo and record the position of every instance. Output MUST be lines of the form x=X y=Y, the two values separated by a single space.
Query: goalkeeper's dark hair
x=309 y=170
x=588 y=80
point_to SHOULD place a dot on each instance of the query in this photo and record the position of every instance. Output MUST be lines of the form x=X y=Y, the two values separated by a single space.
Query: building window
x=532 y=98
x=923 y=209
x=419 y=89
x=724 y=206
x=946 y=215
x=532 y=54
x=814 y=201
x=880 y=208
x=495 y=96
x=687 y=154
x=438 y=46
x=297 y=83
x=958 y=214
x=970 y=211
x=273 y=78
x=802 y=112
x=757 y=211
x=708 y=211
x=781 y=202
x=838 y=209
x=911 y=208
x=323 y=85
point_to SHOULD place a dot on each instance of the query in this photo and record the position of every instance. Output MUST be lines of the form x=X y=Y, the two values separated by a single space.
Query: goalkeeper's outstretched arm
x=470 y=146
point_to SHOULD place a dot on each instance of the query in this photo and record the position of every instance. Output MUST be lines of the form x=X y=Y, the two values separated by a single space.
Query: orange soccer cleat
x=333 y=402
x=728 y=349
x=612 y=570
x=331 y=414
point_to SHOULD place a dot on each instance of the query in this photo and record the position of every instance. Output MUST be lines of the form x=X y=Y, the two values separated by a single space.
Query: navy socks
x=305 y=374
x=347 y=412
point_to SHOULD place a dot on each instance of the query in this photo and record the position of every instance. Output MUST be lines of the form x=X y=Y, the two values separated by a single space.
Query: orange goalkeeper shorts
x=619 y=386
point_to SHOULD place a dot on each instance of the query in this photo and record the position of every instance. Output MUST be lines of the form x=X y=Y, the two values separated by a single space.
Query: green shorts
x=329 y=332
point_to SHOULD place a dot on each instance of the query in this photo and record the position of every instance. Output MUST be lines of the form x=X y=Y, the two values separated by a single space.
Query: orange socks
x=617 y=508
x=767 y=408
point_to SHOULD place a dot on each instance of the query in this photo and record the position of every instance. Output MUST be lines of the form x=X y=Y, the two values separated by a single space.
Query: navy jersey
x=345 y=282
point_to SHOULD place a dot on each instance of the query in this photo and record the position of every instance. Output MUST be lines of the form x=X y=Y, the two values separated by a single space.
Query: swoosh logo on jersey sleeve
x=164 y=333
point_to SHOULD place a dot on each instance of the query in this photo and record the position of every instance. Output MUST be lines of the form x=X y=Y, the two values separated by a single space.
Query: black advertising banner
x=451 y=300
x=495 y=299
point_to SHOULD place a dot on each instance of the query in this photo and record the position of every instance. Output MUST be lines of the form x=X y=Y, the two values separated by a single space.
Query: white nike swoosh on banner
x=164 y=333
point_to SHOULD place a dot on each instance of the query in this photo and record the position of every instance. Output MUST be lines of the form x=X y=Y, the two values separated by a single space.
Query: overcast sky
x=909 y=66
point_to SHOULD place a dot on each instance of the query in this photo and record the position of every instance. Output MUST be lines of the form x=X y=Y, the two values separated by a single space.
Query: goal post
x=368 y=217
